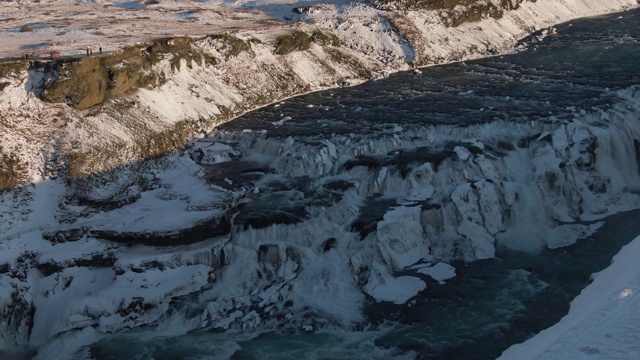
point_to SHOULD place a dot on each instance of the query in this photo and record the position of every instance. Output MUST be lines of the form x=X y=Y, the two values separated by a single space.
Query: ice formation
x=350 y=220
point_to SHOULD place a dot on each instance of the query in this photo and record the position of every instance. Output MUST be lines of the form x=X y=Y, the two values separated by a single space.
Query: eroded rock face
x=12 y=170
x=147 y=100
x=461 y=199
x=89 y=81
x=16 y=301
x=102 y=111
x=455 y=12
x=16 y=312
x=216 y=226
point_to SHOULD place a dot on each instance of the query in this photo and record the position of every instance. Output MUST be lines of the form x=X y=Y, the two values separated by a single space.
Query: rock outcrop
x=134 y=247
x=86 y=114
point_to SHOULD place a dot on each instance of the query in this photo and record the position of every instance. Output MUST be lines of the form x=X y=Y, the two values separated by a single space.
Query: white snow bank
x=480 y=38
x=385 y=287
x=439 y=272
x=603 y=322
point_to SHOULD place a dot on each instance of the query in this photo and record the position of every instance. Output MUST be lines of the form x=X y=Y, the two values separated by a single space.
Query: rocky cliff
x=72 y=121
x=78 y=116
x=96 y=113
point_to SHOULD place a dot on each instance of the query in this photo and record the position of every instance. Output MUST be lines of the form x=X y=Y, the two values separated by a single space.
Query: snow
x=474 y=190
x=462 y=153
x=35 y=214
x=78 y=295
x=69 y=27
x=180 y=200
x=214 y=153
x=397 y=290
x=564 y=235
x=489 y=35
x=400 y=237
x=63 y=289
x=439 y=272
x=603 y=321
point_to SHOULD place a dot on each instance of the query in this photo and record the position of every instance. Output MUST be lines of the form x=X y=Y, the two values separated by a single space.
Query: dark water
x=494 y=303
x=573 y=69
x=486 y=308
x=490 y=304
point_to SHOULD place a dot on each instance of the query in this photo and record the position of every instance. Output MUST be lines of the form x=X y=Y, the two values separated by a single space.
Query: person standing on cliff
x=100 y=49
x=87 y=51
x=91 y=51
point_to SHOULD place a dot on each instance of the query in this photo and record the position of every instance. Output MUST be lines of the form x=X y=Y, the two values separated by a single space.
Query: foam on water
x=467 y=162
x=541 y=155
x=325 y=344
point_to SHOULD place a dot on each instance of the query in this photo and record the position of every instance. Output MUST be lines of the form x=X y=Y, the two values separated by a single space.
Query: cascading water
x=358 y=216
x=522 y=172
x=384 y=222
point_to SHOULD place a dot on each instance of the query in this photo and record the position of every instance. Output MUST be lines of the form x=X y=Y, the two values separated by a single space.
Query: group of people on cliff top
x=90 y=50
x=54 y=54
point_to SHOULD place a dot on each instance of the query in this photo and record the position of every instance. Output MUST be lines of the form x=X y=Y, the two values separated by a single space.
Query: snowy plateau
x=114 y=217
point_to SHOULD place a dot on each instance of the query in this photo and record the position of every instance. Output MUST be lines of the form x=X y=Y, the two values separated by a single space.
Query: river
x=574 y=74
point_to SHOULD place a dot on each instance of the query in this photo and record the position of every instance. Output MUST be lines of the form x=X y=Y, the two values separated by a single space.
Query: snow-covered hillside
x=212 y=79
x=112 y=220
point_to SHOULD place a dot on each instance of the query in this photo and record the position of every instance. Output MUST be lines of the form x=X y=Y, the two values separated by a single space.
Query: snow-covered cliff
x=92 y=168
x=146 y=100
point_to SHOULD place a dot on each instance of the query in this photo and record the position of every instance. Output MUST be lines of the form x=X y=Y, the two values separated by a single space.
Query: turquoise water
x=495 y=303
x=490 y=304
